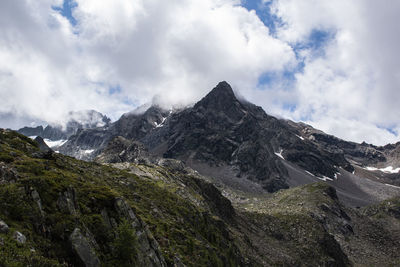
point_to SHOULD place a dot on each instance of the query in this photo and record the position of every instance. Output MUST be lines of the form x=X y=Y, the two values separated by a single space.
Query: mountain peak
x=223 y=89
x=221 y=97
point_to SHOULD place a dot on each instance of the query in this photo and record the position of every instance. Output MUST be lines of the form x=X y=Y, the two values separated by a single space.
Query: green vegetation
x=182 y=229
x=125 y=245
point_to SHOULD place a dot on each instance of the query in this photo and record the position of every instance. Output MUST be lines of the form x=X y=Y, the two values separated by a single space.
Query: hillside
x=59 y=211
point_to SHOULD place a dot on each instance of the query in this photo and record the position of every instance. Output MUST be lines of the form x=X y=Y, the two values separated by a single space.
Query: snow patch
x=393 y=186
x=325 y=178
x=388 y=169
x=161 y=124
x=56 y=143
x=279 y=154
x=32 y=137
x=301 y=137
x=310 y=173
x=88 y=151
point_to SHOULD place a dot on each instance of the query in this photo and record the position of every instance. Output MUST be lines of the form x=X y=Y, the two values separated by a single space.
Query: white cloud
x=41 y=69
x=177 y=50
x=351 y=89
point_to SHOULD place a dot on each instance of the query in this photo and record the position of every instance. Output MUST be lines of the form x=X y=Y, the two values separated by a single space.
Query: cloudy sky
x=333 y=64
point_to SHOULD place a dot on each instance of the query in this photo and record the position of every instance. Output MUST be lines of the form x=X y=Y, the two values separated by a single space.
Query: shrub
x=125 y=245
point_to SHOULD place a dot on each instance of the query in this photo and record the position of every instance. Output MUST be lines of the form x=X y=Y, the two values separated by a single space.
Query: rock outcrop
x=3 y=227
x=149 y=250
x=66 y=201
x=83 y=249
x=43 y=147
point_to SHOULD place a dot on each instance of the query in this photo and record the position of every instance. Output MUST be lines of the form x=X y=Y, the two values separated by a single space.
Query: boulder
x=3 y=227
x=19 y=237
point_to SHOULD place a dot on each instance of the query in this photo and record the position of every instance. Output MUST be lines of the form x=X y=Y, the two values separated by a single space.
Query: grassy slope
x=182 y=229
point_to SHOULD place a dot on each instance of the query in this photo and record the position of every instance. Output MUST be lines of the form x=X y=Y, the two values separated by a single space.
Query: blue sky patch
x=272 y=77
x=316 y=41
x=391 y=130
x=66 y=10
x=114 y=90
x=263 y=11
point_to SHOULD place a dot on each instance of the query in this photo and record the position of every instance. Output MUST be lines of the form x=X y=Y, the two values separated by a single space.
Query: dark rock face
x=333 y=249
x=84 y=250
x=219 y=203
x=222 y=131
x=334 y=219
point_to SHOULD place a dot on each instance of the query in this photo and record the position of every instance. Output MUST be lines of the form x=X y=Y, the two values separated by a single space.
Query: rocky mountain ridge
x=76 y=121
x=241 y=146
